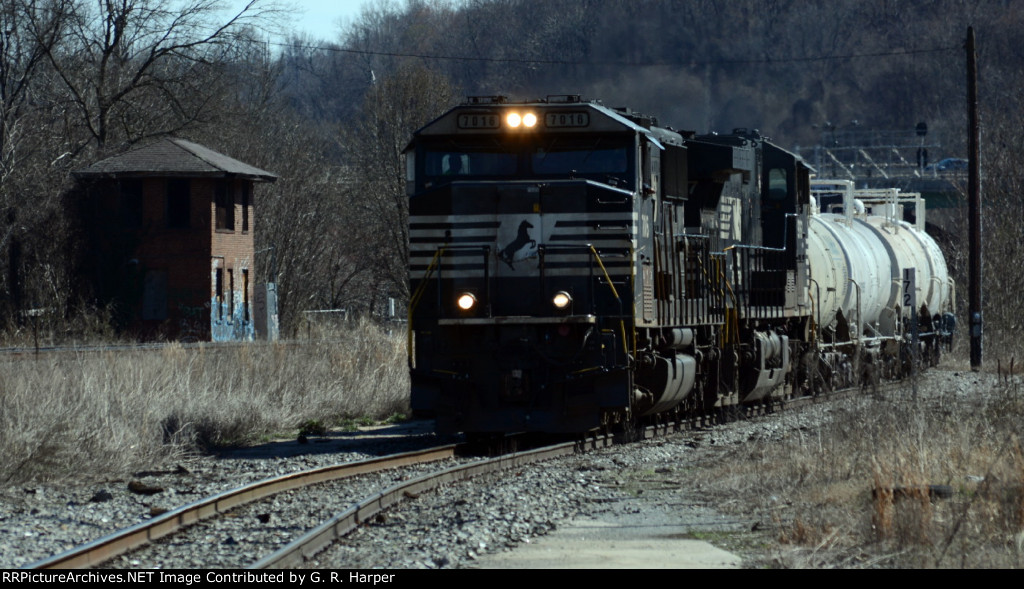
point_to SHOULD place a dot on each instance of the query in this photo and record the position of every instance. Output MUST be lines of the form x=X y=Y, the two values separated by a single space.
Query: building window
x=225 y=202
x=246 y=194
x=154 y=295
x=245 y=295
x=131 y=203
x=178 y=209
x=231 y=295
x=220 y=294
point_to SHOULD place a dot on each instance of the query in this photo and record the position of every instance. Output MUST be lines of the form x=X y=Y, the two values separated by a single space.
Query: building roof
x=173 y=157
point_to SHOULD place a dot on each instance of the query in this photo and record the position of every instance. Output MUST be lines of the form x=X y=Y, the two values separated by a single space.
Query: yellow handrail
x=615 y=293
x=731 y=319
x=415 y=299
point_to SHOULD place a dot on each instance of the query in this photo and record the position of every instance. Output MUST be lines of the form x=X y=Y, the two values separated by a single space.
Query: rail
x=118 y=543
x=322 y=536
x=316 y=540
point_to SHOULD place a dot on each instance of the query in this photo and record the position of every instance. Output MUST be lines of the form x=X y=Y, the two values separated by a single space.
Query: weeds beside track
x=99 y=414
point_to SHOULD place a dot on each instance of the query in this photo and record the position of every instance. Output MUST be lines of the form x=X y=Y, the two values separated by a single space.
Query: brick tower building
x=169 y=234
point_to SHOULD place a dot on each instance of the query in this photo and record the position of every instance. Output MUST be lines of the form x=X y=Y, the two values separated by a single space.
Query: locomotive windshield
x=603 y=159
x=469 y=162
x=565 y=157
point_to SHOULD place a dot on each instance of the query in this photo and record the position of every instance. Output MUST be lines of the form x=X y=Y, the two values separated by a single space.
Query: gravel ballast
x=468 y=525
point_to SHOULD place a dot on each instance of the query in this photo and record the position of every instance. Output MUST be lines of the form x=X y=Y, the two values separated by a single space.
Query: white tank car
x=859 y=247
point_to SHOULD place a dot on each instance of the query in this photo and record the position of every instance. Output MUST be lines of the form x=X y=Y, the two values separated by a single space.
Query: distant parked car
x=950 y=164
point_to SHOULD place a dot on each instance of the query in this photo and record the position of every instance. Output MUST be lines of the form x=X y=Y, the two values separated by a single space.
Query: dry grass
x=860 y=490
x=95 y=414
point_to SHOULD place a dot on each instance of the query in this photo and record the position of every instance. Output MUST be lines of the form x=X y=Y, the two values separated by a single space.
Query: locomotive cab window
x=446 y=163
x=778 y=185
x=604 y=159
x=599 y=159
x=560 y=157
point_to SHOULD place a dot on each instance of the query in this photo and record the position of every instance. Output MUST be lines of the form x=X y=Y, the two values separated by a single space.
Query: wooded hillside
x=81 y=79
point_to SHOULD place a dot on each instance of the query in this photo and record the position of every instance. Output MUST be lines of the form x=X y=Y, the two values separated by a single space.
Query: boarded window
x=220 y=294
x=154 y=295
x=245 y=295
x=131 y=203
x=231 y=295
x=178 y=196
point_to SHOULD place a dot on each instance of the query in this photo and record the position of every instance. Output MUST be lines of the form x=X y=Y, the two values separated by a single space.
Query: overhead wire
x=525 y=61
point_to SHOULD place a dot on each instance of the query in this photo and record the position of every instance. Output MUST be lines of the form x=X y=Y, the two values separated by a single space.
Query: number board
x=567 y=119
x=479 y=121
x=910 y=289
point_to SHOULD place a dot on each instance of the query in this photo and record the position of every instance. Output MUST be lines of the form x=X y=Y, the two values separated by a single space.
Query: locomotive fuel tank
x=668 y=380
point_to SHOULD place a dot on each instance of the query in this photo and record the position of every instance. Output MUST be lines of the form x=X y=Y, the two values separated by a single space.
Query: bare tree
x=29 y=29
x=392 y=110
x=78 y=77
x=137 y=68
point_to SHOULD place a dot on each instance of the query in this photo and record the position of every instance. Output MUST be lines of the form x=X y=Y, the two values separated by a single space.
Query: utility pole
x=974 y=203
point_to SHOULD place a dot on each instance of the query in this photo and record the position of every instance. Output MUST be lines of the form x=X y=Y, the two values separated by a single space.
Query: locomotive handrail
x=750 y=246
x=707 y=278
x=731 y=323
x=615 y=293
x=416 y=296
x=586 y=248
x=710 y=284
x=743 y=267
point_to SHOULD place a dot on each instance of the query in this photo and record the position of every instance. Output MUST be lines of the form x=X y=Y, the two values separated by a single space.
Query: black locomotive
x=574 y=266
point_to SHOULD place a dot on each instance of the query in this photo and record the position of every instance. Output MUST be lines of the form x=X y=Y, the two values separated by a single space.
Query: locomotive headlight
x=516 y=120
x=466 y=301
x=561 y=300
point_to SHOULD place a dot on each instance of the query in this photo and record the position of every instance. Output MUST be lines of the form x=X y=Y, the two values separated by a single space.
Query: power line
x=521 y=61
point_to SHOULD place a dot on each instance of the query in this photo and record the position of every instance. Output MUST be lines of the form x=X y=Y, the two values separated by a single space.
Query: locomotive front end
x=521 y=246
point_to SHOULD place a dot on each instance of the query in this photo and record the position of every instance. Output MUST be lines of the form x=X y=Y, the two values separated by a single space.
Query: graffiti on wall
x=228 y=319
x=192 y=325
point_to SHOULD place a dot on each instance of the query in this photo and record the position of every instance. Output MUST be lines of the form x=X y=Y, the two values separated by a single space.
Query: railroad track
x=118 y=543
x=318 y=536
x=122 y=543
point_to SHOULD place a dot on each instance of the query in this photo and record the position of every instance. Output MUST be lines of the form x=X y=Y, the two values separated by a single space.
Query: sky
x=319 y=18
